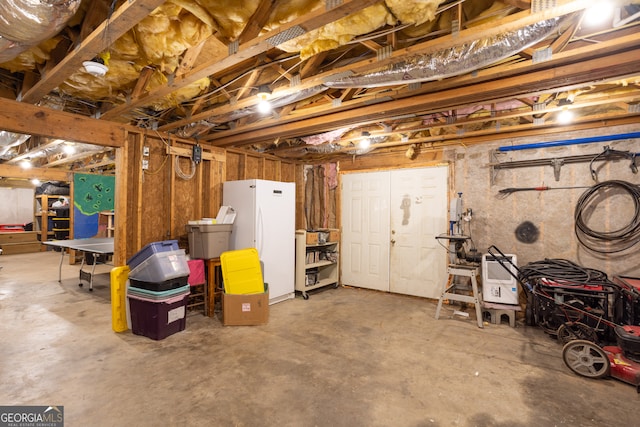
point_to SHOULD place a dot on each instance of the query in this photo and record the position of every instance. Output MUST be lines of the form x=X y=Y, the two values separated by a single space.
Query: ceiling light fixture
x=98 y=65
x=25 y=164
x=35 y=181
x=264 y=92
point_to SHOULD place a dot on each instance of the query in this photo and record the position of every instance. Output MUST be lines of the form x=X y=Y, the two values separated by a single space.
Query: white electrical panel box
x=499 y=284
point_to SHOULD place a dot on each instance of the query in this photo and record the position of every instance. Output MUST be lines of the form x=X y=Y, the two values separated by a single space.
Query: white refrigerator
x=265 y=220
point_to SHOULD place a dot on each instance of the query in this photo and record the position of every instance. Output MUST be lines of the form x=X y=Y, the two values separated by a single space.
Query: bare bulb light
x=565 y=117
x=365 y=142
x=599 y=13
x=264 y=106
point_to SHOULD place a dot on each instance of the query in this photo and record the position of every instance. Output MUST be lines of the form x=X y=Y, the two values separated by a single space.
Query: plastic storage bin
x=61 y=223
x=241 y=272
x=157 y=296
x=61 y=234
x=208 y=241
x=161 y=266
x=150 y=249
x=176 y=282
x=158 y=319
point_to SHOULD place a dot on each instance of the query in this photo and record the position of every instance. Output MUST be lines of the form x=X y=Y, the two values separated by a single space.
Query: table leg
x=93 y=270
x=60 y=266
x=81 y=265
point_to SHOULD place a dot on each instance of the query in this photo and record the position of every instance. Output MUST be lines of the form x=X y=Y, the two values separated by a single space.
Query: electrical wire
x=179 y=171
x=607 y=242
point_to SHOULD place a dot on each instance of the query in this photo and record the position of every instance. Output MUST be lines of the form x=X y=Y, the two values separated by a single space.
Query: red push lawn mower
x=621 y=361
x=597 y=320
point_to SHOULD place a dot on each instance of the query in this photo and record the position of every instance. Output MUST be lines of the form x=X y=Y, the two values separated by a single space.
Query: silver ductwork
x=453 y=61
x=26 y=23
x=8 y=140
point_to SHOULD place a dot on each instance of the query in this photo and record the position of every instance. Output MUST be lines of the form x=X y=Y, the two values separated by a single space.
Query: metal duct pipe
x=25 y=23
x=8 y=140
x=587 y=140
x=453 y=61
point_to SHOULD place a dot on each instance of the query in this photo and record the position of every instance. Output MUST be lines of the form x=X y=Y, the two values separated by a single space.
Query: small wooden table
x=214 y=284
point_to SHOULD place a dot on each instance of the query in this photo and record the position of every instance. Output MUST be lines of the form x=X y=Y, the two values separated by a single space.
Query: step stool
x=496 y=311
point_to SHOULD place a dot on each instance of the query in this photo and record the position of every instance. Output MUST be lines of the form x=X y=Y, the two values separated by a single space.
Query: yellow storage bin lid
x=241 y=272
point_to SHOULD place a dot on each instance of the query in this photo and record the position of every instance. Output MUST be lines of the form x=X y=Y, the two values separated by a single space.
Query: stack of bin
x=158 y=290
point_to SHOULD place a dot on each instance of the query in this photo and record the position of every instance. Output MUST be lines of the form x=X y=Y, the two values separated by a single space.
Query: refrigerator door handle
x=259 y=234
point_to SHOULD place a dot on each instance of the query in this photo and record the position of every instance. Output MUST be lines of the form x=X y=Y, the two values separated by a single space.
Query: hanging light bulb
x=365 y=142
x=25 y=164
x=264 y=93
x=264 y=106
x=69 y=149
x=599 y=13
x=565 y=116
x=35 y=181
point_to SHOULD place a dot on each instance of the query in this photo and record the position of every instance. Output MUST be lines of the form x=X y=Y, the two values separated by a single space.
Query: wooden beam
x=371 y=45
x=143 y=81
x=97 y=165
x=257 y=21
x=122 y=20
x=215 y=154
x=40 y=173
x=223 y=91
x=33 y=120
x=311 y=65
x=73 y=158
x=278 y=69
x=123 y=196
x=189 y=58
x=248 y=85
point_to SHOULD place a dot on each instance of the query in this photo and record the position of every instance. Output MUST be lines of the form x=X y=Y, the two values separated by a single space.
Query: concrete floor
x=345 y=357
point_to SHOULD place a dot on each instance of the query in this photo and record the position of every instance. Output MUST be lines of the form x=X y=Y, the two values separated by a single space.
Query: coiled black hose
x=563 y=272
x=607 y=242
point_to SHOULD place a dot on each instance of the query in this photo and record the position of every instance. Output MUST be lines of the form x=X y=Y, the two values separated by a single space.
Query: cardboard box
x=334 y=235
x=245 y=310
x=312 y=237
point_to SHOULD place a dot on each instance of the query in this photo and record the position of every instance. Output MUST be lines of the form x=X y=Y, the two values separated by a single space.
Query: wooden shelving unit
x=316 y=261
x=48 y=224
x=106 y=221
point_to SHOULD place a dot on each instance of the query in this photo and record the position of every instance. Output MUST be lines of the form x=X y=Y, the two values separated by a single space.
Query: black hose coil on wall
x=607 y=242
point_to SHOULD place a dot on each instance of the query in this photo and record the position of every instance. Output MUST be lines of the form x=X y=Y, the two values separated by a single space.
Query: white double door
x=390 y=221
